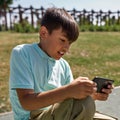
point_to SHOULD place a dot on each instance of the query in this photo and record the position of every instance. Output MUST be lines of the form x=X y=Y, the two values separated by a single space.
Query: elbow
x=26 y=106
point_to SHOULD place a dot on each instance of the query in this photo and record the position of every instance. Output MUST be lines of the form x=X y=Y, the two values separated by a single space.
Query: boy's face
x=54 y=44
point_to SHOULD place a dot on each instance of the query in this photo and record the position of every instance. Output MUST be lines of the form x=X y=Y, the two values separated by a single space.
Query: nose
x=67 y=46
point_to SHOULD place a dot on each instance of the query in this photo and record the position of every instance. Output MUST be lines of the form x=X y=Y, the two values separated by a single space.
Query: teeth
x=62 y=53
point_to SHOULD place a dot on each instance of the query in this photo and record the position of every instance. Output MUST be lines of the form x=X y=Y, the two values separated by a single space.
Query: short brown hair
x=55 y=18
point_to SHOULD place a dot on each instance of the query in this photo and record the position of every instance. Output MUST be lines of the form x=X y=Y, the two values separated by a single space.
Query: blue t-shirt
x=32 y=68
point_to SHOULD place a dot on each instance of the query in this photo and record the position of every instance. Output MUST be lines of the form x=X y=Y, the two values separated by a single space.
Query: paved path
x=110 y=107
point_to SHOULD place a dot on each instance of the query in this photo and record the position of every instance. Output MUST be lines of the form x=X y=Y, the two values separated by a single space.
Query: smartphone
x=102 y=83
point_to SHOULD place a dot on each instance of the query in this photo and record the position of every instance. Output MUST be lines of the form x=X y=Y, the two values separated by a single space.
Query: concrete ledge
x=112 y=105
x=6 y=116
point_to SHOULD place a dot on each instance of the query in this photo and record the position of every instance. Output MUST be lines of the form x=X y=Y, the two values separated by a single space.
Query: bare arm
x=79 y=88
x=31 y=100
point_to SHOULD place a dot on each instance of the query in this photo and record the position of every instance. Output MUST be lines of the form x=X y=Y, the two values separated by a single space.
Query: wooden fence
x=33 y=15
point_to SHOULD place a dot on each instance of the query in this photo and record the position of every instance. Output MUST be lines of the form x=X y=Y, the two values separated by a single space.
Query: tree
x=4 y=4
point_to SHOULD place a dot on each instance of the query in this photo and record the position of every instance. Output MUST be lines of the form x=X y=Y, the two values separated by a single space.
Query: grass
x=96 y=54
x=93 y=54
x=7 y=41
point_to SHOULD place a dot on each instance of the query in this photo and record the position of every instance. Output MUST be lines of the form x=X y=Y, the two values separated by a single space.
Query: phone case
x=102 y=83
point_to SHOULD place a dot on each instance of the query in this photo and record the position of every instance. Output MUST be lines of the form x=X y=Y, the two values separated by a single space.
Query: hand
x=81 y=88
x=103 y=96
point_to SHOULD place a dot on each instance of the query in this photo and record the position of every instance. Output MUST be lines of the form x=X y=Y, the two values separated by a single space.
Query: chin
x=57 y=58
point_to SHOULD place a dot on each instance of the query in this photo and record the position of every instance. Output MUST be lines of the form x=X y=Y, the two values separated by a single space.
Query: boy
x=41 y=81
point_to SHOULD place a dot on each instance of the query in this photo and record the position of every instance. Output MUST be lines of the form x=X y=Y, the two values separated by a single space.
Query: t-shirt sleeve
x=20 y=70
x=69 y=75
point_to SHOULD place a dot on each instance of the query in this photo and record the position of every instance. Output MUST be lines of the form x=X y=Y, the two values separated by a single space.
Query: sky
x=105 y=5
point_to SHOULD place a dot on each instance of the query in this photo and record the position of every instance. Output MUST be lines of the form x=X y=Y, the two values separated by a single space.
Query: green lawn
x=93 y=54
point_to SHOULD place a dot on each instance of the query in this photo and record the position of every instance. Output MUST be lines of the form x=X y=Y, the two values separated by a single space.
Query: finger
x=101 y=96
x=111 y=86
x=84 y=78
x=91 y=83
x=87 y=81
x=107 y=91
x=91 y=89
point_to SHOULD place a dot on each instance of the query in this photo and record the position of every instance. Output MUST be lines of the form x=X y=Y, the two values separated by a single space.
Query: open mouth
x=61 y=53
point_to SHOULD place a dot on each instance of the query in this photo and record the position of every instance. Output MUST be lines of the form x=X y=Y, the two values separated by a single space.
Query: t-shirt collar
x=43 y=54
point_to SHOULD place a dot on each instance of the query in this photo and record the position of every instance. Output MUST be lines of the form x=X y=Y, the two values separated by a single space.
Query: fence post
x=5 y=16
x=10 y=11
x=109 y=21
x=20 y=13
x=118 y=13
x=32 y=21
x=92 y=14
x=0 y=20
x=42 y=11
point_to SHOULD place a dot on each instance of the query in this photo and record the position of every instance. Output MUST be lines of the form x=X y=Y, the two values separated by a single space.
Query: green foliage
x=93 y=28
x=115 y=28
x=5 y=3
x=24 y=27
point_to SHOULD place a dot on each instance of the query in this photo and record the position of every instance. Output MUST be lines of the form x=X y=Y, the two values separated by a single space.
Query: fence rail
x=33 y=15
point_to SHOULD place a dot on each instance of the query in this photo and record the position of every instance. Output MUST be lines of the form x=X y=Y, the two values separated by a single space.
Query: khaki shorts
x=71 y=109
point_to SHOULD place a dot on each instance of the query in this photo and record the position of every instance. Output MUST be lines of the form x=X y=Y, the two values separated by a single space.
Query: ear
x=43 y=32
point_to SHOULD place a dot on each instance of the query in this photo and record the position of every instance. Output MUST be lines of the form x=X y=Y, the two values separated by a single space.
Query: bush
x=115 y=28
x=100 y=28
x=24 y=27
x=18 y=27
x=91 y=28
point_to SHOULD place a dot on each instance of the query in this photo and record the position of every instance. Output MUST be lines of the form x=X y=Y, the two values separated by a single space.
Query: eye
x=62 y=40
